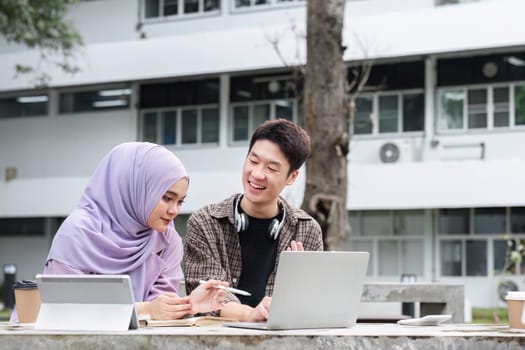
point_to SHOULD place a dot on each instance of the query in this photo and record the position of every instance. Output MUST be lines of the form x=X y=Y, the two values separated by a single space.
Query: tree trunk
x=326 y=121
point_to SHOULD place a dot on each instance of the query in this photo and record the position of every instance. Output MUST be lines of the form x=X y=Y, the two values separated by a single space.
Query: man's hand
x=295 y=247
x=261 y=311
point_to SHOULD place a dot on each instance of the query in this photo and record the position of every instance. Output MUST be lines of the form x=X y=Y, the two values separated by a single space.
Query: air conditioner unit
x=396 y=151
x=509 y=284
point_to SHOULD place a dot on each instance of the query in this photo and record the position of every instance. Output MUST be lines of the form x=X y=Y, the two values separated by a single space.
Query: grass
x=4 y=314
x=489 y=315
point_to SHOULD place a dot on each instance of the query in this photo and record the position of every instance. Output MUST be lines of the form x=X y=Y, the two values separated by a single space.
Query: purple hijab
x=107 y=233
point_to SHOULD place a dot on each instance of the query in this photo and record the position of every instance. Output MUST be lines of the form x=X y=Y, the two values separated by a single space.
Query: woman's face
x=168 y=206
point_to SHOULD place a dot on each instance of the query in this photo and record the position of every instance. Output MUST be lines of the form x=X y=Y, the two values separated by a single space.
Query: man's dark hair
x=292 y=140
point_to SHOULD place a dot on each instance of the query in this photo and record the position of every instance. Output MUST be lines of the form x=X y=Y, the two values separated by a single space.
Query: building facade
x=436 y=154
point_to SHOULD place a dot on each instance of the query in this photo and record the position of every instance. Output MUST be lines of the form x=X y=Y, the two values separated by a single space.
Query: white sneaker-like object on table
x=428 y=320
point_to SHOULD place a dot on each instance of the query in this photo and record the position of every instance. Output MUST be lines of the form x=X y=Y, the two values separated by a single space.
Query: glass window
x=363 y=115
x=170 y=128
x=191 y=6
x=247 y=116
x=253 y=3
x=242 y=3
x=180 y=93
x=388 y=116
x=284 y=109
x=180 y=224
x=355 y=223
x=412 y=257
x=454 y=221
x=501 y=107
x=197 y=125
x=261 y=113
x=476 y=258
x=409 y=222
x=413 y=112
x=489 y=220
x=376 y=223
x=241 y=117
x=519 y=103
x=477 y=108
x=160 y=8
x=24 y=106
x=171 y=7
x=263 y=87
x=22 y=227
x=500 y=252
x=450 y=258
x=150 y=127
x=189 y=126
x=517 y=220
x=94 y=100
x=210 y=125
x=388 y=258
x=451 y=116
x=152 y=8
x=210 y=5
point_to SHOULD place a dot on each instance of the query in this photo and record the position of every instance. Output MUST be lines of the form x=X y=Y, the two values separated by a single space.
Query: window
x=490 y=220
x=481 y=92
x=23 y=227
x=394 y=239
x=181 y=222
x=519 y=105
x=182 y=126
x=95 y=100
x=24 y=106
x=454 y=221
x=174 y=8
x=243 y=4
x=451 y=103
x=517 y=220
x=396 y=112
x=181 y=113
x=475 y=232
x=480 y=108
x=247 y=116
x=255 y=99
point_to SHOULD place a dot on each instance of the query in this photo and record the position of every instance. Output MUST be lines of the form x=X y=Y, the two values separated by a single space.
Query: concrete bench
x=433 y=298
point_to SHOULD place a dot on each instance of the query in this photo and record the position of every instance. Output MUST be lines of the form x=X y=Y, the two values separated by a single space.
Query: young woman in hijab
x=124 y=225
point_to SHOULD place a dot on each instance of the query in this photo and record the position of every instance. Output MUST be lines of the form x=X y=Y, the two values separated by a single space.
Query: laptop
x=86 y=303
x=315 y=290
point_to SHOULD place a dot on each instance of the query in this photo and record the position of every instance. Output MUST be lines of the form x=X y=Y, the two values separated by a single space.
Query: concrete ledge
x=360 y=336
x=434 y=298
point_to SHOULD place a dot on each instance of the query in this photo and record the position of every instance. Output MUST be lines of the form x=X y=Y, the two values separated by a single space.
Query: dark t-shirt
x=258 y=251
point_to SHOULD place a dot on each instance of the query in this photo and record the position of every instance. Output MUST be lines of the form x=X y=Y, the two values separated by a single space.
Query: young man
x=239 y=239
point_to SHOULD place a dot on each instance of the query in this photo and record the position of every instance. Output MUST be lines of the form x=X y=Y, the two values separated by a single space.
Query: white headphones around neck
x=242 y=222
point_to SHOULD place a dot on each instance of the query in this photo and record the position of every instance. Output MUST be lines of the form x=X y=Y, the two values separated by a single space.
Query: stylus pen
x=230 y=289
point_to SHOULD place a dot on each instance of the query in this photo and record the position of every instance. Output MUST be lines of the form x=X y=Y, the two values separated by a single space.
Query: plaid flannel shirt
x=212 y=248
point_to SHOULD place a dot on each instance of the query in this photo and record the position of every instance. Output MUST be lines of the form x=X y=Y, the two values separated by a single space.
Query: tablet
x=86 y=303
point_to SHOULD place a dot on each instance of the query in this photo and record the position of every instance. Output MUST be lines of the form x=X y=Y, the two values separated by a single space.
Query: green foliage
x=519 y=101
x=489 y=315
x=40 y=25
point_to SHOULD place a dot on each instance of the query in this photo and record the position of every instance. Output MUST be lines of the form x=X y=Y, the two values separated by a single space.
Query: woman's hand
x=207 y=297
x=167 y=306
